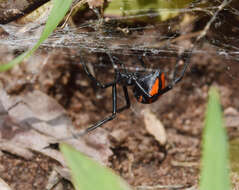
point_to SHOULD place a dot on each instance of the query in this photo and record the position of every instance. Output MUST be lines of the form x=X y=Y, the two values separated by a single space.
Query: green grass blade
x=89 y=175
x=215 y=154
x=59 y=10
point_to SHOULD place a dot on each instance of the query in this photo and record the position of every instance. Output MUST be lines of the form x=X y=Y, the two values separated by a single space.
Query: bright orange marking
x=163 y=80
x=140 y=99
x=155 y=88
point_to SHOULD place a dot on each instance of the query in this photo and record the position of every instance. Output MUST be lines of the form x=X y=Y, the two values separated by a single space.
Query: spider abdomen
x=151 y=86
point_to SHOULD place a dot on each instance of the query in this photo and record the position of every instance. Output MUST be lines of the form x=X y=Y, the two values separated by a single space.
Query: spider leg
x=99 y=84
x=166 y=89
x=117 y=74
x=126 y=99
x=140 y=58
x=114 y=96
x=109 y=118
x=176 y=79
x=179 y=78
x=112 y=58
x=141 y=88
x=101 y=122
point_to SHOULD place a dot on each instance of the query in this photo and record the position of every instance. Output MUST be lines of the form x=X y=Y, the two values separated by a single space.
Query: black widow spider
x=146 y=87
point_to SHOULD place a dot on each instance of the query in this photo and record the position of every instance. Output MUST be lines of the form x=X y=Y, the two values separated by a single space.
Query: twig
x=79 y=4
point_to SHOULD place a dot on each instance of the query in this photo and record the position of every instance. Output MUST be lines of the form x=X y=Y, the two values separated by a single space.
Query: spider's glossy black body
x=147 y=87
x=150 y=87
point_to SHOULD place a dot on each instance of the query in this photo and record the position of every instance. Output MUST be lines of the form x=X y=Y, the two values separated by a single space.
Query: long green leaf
x=215 y=155
x=89 y=175
x=59 y=10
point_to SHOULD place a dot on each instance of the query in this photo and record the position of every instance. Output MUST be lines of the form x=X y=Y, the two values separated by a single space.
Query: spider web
x=158 y=43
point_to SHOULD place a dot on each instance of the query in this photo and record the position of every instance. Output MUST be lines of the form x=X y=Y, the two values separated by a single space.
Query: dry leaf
x=154 y=126
x=35 y=121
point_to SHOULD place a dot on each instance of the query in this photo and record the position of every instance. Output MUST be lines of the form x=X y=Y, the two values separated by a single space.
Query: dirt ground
x=137 y=156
